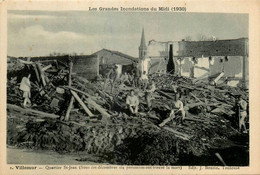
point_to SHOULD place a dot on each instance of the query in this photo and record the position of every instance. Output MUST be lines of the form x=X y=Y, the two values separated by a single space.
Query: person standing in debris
x=242 y=113
x=131 y=79
x=132 y=101
x=144 y=80
x=111 y=78
x=179 y=106
x=148 y=95
x=136 y=73
x=25 y=86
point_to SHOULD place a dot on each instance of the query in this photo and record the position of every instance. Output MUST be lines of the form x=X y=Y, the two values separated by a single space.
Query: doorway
x=170 y=65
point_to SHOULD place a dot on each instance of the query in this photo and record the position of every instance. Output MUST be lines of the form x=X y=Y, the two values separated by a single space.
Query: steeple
x=142 y=47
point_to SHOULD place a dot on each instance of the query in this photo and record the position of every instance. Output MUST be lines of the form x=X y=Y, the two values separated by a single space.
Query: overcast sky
x=39 y=33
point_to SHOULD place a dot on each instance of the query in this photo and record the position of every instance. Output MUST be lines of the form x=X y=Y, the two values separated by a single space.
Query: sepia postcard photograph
x=127 y=86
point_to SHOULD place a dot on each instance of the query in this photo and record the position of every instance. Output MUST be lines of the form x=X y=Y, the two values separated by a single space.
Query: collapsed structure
x=198 y=59
x=71 y=112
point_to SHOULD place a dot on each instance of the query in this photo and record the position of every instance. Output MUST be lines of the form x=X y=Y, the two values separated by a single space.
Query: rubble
x=70 y=113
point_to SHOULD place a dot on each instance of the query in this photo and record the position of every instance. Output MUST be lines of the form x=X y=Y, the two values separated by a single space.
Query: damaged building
x=90 y=66
x=222 y=60
x=109 y=58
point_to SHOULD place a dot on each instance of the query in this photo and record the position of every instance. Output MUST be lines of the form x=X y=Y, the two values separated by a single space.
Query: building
x=201 y=59
x=89 y=66
x=108 y=58
x=147 y=62
x=86 y=66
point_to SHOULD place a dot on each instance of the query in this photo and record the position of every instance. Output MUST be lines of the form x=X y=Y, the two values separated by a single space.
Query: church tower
x=142 y=47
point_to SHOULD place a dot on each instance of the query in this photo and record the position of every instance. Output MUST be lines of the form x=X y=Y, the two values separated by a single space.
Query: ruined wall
x=233 y=67
x=158 y=65
x=201 y=50
x=157 y=49
x=236 y=47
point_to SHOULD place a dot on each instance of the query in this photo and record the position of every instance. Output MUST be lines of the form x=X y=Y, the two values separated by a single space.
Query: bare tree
x=188 y=38
x=202 y=37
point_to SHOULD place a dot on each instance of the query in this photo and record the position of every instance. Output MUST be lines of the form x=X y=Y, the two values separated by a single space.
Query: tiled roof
x=117 y=53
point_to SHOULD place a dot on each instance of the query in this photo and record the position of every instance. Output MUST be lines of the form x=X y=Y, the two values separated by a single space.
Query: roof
x=142 y=44
x=117 y=53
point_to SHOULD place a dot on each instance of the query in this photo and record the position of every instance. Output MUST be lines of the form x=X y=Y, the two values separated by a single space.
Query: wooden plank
x=202 y=68
x=81 y=103
x=31 y=111
x=69 y=109
x=90 y=101
x=166 y=95
x=165 y=121
x=178 y=134
x=195 y=97
x=25 y=62
x=37 y=73
x=76 y=90
x=192 y=105
x=194 y=119
x=218 y=77
x=41 y=74
x=98 y=107
x=153 y=116
x=46 y=67
x=70 y=72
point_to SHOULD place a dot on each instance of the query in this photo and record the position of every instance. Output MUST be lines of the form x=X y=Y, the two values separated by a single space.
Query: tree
x=202 y=37
x=188 y=38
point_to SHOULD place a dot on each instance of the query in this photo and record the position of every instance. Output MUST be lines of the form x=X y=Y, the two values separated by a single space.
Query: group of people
x=132 y=100
x=134 y=79
x=177 y=109
x=140 y=79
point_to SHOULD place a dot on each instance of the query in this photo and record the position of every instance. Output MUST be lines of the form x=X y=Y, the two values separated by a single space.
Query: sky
x=40 y=33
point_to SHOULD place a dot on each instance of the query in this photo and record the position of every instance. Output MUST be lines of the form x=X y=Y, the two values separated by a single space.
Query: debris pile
x=69 y=113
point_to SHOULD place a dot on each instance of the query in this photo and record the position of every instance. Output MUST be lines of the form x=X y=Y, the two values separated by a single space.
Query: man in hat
x=25 y=86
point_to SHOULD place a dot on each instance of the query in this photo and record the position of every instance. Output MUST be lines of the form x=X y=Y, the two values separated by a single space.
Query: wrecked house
x=203 y=59
x=86 y=66
x=90 y=66
x=108 y=58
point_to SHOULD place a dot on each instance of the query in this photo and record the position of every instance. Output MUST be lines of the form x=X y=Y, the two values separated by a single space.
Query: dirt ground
x=43 y=157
